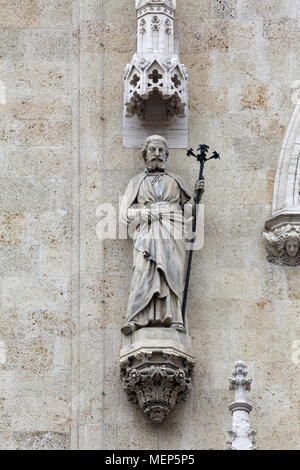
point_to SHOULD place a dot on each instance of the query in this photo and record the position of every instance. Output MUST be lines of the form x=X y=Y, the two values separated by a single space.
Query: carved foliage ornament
x=157 y=385
x=240 y=373
x=233 y=436
x=283 y=245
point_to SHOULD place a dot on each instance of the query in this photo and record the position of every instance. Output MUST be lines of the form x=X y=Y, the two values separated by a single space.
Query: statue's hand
x=199 y=186
x=145 y=215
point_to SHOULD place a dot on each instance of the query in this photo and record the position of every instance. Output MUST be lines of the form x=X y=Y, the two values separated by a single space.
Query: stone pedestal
x=157 y=369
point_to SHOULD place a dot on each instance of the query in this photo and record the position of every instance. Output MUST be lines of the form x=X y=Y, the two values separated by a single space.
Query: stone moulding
x=156 y=378
x=287 y=180
x=282 y=231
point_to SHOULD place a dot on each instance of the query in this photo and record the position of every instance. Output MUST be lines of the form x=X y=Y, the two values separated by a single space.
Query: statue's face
x=156 y=157
x=292 y=247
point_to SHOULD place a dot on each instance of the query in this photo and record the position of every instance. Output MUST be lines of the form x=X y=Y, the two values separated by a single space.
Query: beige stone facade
x=64 y=293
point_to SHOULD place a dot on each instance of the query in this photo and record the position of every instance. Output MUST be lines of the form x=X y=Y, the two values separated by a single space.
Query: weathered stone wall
x=36 y=223
x=64 y=293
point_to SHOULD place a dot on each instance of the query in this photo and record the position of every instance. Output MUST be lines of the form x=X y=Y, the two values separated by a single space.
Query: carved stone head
x=292 y=246
x=283 y=245
x=155 y=153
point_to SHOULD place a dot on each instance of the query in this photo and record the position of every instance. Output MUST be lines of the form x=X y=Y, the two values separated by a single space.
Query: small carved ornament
x=283 y=245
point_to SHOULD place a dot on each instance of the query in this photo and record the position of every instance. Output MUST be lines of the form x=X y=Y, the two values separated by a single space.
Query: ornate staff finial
x=242 y=437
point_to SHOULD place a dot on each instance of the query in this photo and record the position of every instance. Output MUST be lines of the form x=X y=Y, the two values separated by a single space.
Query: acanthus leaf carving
x=157 y=384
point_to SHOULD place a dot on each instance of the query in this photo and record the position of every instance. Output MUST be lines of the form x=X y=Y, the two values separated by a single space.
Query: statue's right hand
x=145 y=215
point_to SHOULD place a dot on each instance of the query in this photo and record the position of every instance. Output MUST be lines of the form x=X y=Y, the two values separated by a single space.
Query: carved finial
x=241 y=435
x=240 y=383
x=240 y=367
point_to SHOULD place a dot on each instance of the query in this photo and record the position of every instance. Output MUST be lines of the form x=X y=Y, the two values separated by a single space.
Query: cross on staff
x=202 y=158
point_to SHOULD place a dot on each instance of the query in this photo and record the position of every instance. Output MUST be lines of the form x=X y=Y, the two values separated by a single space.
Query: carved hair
x=150 y=139
x=275 y=244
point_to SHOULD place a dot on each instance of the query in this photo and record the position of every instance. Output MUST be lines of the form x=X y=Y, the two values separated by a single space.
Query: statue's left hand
x=199 y=186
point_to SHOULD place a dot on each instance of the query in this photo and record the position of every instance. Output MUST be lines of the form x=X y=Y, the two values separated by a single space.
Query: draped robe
x=159 y=255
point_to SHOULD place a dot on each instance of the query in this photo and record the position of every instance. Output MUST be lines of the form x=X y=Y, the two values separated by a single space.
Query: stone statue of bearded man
x=155 y=202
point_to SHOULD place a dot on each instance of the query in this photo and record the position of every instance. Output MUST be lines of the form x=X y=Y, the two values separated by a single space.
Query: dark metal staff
x=201 y=157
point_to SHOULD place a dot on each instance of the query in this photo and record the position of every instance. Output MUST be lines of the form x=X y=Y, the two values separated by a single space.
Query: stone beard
x=155 y=200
